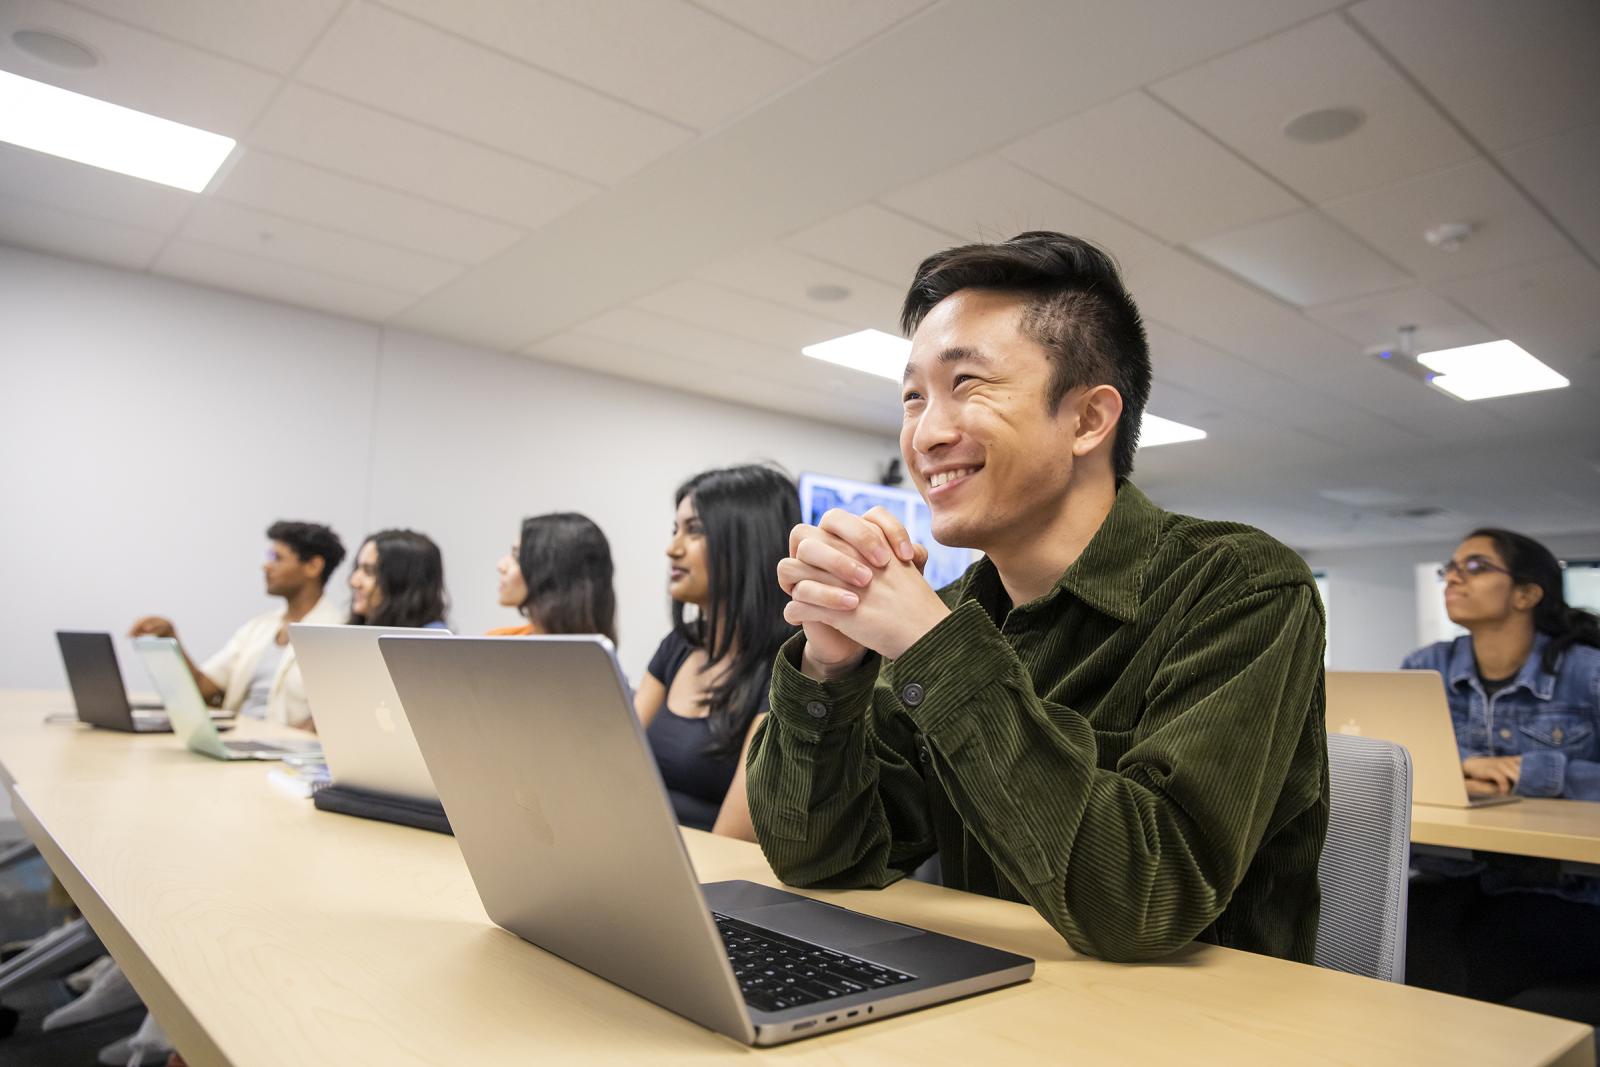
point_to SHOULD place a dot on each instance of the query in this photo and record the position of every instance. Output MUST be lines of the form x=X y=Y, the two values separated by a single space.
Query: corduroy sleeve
x=1135 y=862
x=834 y=791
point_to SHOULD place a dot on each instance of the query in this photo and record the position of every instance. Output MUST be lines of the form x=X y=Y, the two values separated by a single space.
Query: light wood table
x=262 y=931
x=1566 y=830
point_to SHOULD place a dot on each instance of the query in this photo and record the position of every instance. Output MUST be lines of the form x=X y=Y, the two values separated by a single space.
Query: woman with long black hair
x=1524 y=691
x=398 y=580
x=706 y=687
x=559 y=578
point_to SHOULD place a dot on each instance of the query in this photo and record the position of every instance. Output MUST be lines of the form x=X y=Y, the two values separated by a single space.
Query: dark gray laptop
x=566 y=828
x=97 y=689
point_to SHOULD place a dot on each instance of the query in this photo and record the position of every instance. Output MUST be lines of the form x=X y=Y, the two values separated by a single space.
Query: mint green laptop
x=191 y=721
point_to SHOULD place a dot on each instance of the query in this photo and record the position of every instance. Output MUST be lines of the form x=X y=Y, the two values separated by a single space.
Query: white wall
x=1372 y=600
x=151 y=430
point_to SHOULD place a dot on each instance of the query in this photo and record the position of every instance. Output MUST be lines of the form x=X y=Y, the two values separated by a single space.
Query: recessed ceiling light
x=828 y=293
x=1324 y=125
x=80 y=128
x=869 y=351
x=1154 y=431
x=1494 y=368
x=55 y=49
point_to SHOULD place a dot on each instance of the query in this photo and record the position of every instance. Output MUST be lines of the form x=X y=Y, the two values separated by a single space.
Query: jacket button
x=817 y=709
x=1505 y=733
x=1557 y=734
x=912 y=694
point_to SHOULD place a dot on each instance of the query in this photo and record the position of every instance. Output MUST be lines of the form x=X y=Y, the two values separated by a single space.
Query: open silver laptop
x=1410 y=709
x=190 y=720
x=566 y=828
x=360 y=721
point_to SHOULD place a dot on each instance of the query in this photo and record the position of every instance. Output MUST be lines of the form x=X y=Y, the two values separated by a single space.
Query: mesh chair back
x=1366 y=860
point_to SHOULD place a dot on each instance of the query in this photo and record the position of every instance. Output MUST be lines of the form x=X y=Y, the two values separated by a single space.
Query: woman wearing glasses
x=1524 y=693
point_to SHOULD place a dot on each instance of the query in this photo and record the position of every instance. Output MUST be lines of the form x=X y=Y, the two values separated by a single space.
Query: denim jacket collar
x=1463 y=669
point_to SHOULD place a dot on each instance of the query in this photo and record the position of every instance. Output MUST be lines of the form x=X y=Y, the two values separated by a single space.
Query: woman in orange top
x=558 y=576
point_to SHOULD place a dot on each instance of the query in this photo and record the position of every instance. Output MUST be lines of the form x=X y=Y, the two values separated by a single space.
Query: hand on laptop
x=153 y=626
x=1491 y=775
x=855 y=582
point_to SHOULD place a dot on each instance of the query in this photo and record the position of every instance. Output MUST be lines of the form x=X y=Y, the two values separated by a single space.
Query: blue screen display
x=819 y=492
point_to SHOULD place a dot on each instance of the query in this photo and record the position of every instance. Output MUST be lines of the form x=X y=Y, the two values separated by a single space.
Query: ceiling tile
x=755 y=320
x=668 y=56
x=875 y=241
x=1547 y=308
x=1507 y=229
x=1509 y=72
x=374 y=56
x=274 y=36
x=309 y=194
x=90 y=191
x=324 y=130
x=1303 y=258
x=297 y=244
x=989 y=199
x=1135 y=158
x=782 y=275
x=654 y=332
x=264 y=278
x=1371 y=321
x=1245 y=98
x=820 y=30
x=1562 y=173
x=49 y=229
x=139 y=70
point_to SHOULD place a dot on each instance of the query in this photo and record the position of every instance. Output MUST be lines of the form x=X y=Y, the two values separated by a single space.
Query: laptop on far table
x=1408 y=708
x=569 y=836
x=190 y=720
x=97 y=690
x=360 y=720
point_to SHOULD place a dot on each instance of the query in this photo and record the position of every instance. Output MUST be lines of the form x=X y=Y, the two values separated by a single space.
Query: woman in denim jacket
x=1524 y=694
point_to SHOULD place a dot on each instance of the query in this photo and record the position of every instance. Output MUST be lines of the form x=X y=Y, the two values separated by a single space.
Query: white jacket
x=233 y=667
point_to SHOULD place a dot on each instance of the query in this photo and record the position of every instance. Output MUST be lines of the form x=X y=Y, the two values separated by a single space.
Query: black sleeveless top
x=696 y=781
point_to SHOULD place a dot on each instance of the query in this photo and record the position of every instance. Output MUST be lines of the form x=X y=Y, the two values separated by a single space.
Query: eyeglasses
x=1470 y=568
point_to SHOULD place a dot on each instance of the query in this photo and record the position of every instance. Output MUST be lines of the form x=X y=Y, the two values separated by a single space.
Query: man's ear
x=1098 y=409
x=315 y=566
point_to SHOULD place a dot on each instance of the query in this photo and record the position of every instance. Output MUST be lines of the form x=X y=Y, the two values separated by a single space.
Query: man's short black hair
x=1076 y=308
x=309 y=539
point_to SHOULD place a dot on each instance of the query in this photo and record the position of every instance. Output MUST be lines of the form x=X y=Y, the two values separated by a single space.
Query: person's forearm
x=210 y=691
x=827 y=793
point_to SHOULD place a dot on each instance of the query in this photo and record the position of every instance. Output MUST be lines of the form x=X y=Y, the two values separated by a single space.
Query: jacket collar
x=1108 y=576
x=1463 y=668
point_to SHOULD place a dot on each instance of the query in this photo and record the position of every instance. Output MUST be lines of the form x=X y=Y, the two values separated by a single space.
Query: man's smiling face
x=992 y=460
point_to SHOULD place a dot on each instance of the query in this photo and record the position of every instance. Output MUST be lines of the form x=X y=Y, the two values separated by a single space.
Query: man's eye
x=909 y=397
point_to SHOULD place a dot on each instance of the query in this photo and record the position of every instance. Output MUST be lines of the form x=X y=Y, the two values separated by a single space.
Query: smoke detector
x=1448 y=237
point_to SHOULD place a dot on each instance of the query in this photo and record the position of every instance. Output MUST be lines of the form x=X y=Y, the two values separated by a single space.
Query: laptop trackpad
x=826 y=925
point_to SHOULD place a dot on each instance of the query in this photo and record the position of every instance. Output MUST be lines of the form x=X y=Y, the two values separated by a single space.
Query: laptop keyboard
x=251 y=746
x=776 y=971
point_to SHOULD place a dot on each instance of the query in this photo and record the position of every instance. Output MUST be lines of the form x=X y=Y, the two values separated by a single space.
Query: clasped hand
x=1489 y=776
x=855 y=583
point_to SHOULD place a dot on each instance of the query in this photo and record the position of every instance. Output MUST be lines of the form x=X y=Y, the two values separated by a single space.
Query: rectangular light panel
x=80 y=128
x=869 y=351
x=1154 y=431
x=1494 y=368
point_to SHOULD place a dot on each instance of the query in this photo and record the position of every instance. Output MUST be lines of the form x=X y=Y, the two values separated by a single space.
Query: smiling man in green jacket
x=1115 y=715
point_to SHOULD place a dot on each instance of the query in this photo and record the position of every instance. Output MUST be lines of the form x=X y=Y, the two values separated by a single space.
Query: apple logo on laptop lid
x=385 y=717
x=1351 y=727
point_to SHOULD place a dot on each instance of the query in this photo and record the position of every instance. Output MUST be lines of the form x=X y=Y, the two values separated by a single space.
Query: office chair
x=1365 y=862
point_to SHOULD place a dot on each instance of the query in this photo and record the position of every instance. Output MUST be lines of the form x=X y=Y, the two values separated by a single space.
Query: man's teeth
x=942 y=477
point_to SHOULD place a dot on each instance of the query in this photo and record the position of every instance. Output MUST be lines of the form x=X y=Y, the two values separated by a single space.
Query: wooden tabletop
x=1534 y=826
x=262 y=931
